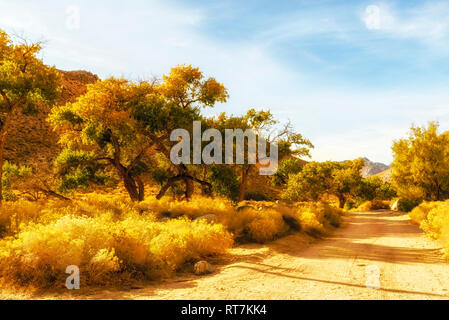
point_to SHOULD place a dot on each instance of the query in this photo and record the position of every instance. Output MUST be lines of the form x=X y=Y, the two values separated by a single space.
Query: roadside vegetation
x=433 y=218
x=113 y=203
x=115 y=240
x=421 y=176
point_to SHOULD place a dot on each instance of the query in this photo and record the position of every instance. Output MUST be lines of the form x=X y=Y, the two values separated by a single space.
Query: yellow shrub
x=419 y=213
x=113 y=239
x=250 y=224
x=107 y=251
x=310 y=223
x=267 y=226
x=437 y=218
x=197 y=207
x=94 y=205
x=316 y=217
x=260 y=224
x=374 y=205
x=14 y=214
x=433 y=218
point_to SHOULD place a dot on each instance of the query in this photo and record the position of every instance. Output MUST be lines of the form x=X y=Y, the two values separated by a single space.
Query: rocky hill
x=373 y=168
x=385 y=175
x=31 y=141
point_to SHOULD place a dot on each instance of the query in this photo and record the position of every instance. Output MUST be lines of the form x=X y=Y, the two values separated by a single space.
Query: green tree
x=263 y=124
x=224 y=181
x=287 y=167
x=14 y=176
x=421 y=164
x=372 y=188
x=25 y=81
x=340 y=179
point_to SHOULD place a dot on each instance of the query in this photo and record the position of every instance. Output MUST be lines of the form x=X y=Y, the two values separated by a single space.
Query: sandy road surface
x=298 y=267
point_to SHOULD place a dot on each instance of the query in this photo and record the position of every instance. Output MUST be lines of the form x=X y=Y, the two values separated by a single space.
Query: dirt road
x=298 y=267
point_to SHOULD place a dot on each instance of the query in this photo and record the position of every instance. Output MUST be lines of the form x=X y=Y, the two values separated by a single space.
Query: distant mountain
x=373 y=168
x=385 y=175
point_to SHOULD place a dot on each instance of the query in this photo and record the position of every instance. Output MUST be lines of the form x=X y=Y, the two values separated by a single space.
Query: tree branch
x=136 y=159
x=77 y=163
x=5 y=97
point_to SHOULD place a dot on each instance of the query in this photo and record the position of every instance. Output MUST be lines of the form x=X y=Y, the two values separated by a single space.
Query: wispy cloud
x=428 y=22
x=347 y=80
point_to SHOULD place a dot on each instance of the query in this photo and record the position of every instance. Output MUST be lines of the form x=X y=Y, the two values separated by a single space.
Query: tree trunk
x=341 y=201
x=189 y=180
x=206 y=186
x=243 y=181
x=169 y=183
x=141 y=189
x=2 y=153
x=134 y=189
x=190 y=188
x=438 y=193
x=53 y=194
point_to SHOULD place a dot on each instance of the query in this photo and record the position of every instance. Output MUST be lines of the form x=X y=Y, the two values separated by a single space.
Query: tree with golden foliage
x=185 y=90
x=25 y=81
x=99 y=132
x=118 y=123
x=421 y=164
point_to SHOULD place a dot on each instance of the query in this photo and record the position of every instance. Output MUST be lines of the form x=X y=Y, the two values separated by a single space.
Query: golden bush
x=436 y=221
x=14 y=214
x=107 y=250
x=374 y=205
x=315 y=218
x=195 y=208
x=419 y=213
x=433 y=218
x=113 y=239
x=256 y=225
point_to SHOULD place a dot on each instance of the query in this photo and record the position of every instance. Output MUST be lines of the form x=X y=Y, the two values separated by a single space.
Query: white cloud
x=428 y=22
x=147 y=40
x=373 y=120
x=377 y=17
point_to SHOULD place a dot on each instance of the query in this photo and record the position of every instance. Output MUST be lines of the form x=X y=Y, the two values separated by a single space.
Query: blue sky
x=350 y=75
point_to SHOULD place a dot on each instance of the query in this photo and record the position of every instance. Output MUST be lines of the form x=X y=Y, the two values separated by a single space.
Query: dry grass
x=433 y=218
x=113 y=239
x=316 y=218
x=106 y=250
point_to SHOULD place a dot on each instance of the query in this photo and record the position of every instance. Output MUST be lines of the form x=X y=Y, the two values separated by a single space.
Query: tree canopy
x=263 y=124
x=340 y=179
x=122 y=124
x=421 y=164
x=98 y=131
x=25 y=82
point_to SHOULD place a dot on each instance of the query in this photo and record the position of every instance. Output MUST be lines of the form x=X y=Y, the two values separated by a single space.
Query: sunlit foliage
x=341 y=179
x=372 y=188
x=99 y=132
x=433 y=218
x=25 y=82
x=374 y=205
x=421 y=164
x=107 y=251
